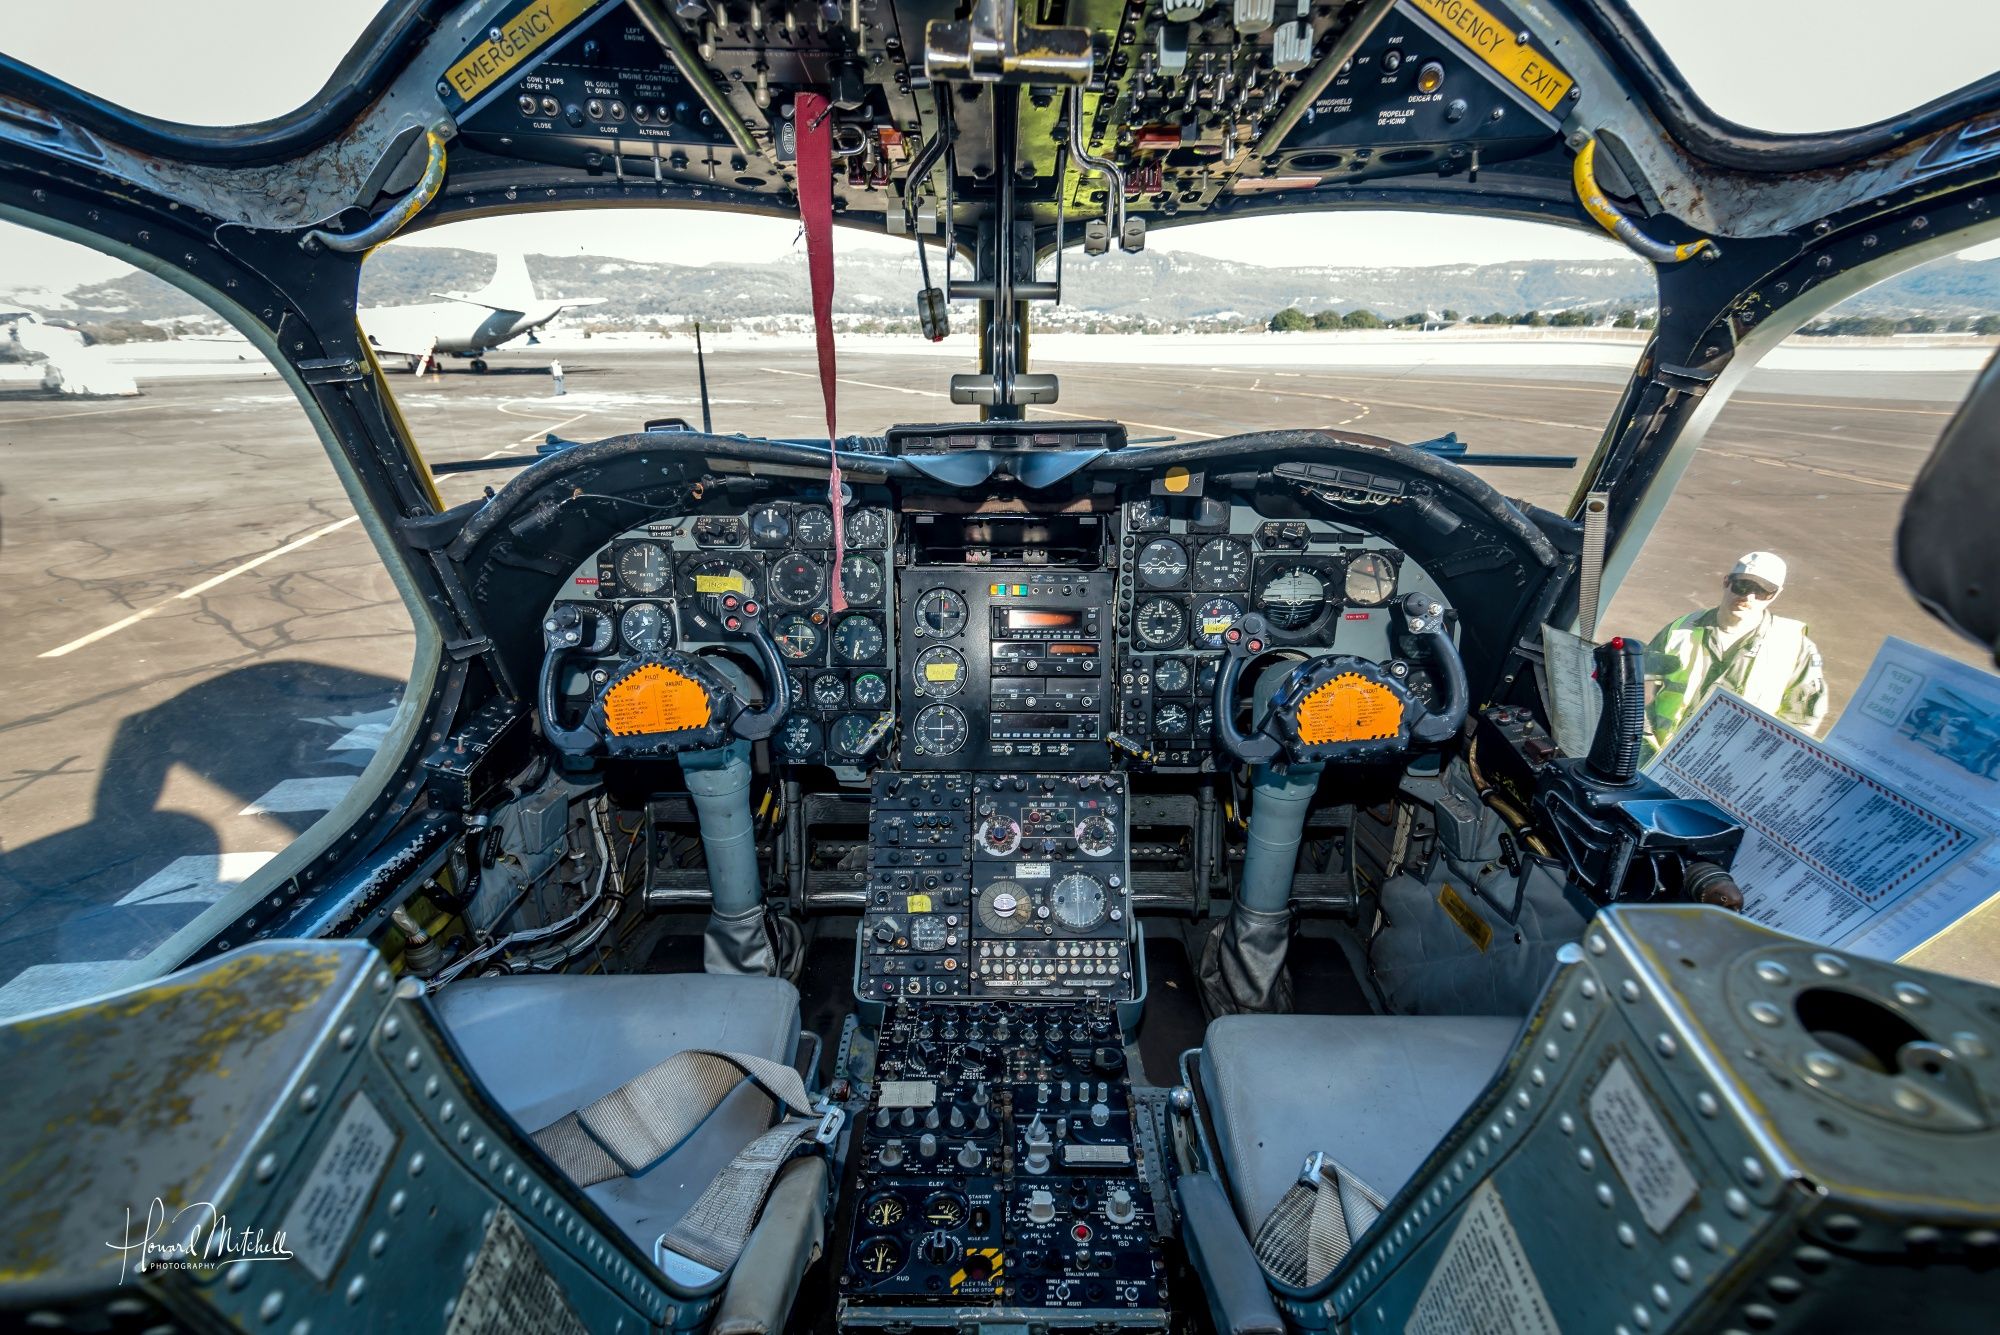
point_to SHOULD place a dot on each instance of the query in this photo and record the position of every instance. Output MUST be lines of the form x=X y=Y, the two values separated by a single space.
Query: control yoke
x=1340 y=707
x=668 y=701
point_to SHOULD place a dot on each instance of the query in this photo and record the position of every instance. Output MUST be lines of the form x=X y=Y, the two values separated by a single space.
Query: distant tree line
x=1882 y=326
x=1292 y=319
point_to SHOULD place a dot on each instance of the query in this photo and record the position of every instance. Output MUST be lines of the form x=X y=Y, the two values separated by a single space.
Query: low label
x=1484 y=1283
x=655 y=699
x=1460 y=912
x=1640 y=1146
x=322 y=1219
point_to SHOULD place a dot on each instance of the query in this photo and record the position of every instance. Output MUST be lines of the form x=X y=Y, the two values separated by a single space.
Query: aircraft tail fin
x=510 y=289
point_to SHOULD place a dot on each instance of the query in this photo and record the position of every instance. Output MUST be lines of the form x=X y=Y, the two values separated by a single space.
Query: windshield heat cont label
x=1641 y=1147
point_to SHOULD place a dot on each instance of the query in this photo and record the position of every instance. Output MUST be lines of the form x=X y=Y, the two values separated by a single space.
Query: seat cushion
x=1377 y=1093
x=546 y=1045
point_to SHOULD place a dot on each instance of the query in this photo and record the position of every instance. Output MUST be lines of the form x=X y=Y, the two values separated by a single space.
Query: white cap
x=1766 y=566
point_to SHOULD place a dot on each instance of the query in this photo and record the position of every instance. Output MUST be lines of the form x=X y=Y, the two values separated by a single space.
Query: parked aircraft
x=466 y=325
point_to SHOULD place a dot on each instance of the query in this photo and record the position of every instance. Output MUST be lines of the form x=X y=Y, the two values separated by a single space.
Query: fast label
x=1484 y=1283
x=655 y=699
x=1641 y=1147
x=517 y=38
x=1529 y=72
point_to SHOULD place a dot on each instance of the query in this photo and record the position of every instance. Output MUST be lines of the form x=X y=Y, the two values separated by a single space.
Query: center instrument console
x=987 y=885
x=1003 y=1175
x=1006 y=668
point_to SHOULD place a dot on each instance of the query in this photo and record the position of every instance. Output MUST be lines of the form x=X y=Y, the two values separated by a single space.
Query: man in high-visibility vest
x=1739 y=643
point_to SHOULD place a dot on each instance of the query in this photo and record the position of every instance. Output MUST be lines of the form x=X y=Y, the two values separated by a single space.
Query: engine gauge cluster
x=1192 y=568
x=657 y=583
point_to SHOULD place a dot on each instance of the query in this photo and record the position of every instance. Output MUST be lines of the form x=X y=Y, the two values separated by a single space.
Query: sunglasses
x=1750 y=588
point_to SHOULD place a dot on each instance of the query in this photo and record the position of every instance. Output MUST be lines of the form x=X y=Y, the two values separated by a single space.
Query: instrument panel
x=1089 y=651
x=656 y=584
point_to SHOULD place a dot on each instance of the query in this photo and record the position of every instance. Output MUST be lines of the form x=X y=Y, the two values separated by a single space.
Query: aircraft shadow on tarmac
x=243 y=733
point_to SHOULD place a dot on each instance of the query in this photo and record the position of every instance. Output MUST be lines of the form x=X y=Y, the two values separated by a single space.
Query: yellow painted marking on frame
x=1527 y=69
x=1460 y=912
x=520 y=37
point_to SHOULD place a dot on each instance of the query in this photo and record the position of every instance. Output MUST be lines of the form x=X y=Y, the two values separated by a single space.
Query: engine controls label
x=1495 y=42
x=1640 y=1146
x=1349 y=709
x=1484 y=1283
x=655 y=699
x=336 y=1193
x=511 y=41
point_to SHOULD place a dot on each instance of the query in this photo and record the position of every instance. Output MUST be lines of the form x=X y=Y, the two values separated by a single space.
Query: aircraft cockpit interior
x=1015 y=873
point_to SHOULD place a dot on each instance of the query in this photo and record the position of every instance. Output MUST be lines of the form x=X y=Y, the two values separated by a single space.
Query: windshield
x=1932 y=48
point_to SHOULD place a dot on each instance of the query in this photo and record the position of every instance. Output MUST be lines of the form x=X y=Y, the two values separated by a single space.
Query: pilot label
x=1484 y=1280
x=1525 y=69
x=335 y=1194
x=1641 y=1147
x=511 y=42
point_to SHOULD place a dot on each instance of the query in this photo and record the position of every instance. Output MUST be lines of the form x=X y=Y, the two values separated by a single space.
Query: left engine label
x=512 y=41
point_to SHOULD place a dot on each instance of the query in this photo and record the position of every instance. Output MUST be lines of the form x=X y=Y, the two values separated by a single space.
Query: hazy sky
x=1757 y=61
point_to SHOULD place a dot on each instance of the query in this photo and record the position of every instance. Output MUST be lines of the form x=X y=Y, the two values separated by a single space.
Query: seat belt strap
x=1315 y=1223
x=814 y=118
x=640 y=1122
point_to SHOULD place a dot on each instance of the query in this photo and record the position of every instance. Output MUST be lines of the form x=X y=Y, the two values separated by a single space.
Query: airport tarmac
x=203 y=648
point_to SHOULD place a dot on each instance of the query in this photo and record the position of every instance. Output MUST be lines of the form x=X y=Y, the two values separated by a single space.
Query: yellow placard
x=1177 y=479
x=1216 y=625
x=518 y=38
x=1460 y=912
x=1528 y=70
x=655 y=699
x=920 y=903
x=1350 y=708
x=940 y=672
x=731 y=583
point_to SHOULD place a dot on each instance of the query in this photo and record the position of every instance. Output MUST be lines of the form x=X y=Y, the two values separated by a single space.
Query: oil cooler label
x=1641 y=1147
x=1484 y=1281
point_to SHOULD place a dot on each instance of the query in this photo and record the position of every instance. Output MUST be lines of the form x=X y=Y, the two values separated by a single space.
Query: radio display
x=1042 y=618
x=1073 y=648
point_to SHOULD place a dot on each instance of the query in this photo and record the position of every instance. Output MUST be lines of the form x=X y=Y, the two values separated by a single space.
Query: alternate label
x=1641 y=1147
x=1493 y=41
x=655 y=699
x=718 y=583
x=1484 y=1283
x=1349 y=708
x=513 y=40
x=322 y=1219
x=1460 y=912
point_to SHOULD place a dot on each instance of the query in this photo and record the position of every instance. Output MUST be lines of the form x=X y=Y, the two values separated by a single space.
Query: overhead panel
x=1439 y=85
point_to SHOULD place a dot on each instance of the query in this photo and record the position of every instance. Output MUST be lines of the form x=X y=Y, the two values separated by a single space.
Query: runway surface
x=203 y=648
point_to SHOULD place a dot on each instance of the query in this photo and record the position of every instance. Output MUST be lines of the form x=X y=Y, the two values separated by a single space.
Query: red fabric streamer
x=814 y=120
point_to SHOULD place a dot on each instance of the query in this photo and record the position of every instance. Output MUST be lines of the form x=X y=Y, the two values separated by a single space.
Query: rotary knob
x=939 y=1248
x=1096 y=836
x=999 y=835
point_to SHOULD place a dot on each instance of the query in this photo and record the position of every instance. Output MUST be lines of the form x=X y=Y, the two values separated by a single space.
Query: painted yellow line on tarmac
x=197 y=590
x=87 y=412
